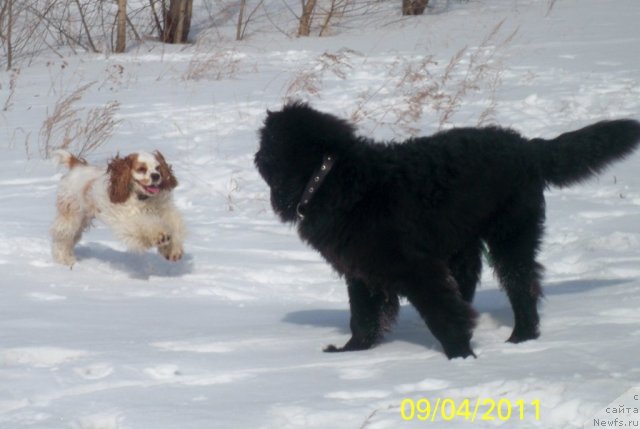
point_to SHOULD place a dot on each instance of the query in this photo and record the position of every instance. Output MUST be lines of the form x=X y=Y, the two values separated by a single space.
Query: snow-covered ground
x=231 y=337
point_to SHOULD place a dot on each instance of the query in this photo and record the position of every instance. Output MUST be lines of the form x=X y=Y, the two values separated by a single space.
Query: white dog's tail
x=64 y=157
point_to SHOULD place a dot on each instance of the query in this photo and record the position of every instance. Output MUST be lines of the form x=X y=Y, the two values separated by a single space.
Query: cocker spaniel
x=132 y=196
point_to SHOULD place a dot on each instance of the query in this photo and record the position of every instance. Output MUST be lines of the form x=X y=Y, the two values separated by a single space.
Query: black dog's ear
x=269 y=113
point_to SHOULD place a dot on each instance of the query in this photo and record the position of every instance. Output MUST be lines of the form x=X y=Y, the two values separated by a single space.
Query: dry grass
x=233 y=187
x=66 y=127
x=13 y=83
x=309 y=82
x=217 y=65
x=414 y=89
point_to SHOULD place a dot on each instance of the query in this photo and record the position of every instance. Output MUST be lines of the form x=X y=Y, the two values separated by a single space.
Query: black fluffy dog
x=410 y=219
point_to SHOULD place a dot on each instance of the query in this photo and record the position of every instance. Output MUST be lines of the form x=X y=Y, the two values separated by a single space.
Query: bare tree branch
x=9 y=32
x=86 y=27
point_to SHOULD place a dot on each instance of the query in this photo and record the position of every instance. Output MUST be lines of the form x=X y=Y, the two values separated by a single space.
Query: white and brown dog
x=132 y=196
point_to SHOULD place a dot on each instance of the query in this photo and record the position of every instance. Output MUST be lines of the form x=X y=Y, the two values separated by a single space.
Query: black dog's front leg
x=436 y=296
x=372 y=313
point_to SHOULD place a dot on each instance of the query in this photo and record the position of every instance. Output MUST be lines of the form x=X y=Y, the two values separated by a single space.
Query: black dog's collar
x=314 y=183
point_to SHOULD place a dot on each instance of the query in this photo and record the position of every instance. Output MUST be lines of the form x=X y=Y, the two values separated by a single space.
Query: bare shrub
x=67 y=128
x=81 y=25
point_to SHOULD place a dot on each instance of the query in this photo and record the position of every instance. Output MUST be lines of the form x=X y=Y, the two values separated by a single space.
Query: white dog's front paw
x=163 y=239
x=64 y=257
x=171 y=253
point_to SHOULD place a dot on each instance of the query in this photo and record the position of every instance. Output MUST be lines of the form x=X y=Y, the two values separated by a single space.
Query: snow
x=231 y=336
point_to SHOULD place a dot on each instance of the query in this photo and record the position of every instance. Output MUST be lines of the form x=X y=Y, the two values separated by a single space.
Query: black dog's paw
x=333 y=349
x=521 y=335
x=463 y=353
x=458 y=350
x=351 y=346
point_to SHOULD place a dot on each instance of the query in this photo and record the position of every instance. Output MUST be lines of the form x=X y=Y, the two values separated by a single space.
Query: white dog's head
x=143 y=174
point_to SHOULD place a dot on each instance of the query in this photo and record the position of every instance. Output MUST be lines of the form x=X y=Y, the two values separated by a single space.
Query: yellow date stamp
x=470 y=410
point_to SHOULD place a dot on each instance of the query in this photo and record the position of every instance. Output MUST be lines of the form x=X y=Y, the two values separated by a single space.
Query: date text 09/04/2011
x=482 y=409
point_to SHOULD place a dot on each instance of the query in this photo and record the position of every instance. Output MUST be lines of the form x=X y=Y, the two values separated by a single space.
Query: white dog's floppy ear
x=119 y=171
x=169 y=181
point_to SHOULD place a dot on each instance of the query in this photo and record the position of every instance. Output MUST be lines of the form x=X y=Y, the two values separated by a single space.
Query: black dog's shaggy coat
x=410 y=219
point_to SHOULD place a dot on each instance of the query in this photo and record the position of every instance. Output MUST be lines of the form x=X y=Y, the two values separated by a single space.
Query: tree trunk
x=121 y=27
x=305 y=20
x=177 y=22
x=414 y=7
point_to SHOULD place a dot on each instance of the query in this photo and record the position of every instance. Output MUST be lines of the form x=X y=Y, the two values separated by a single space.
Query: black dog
x=410 y=219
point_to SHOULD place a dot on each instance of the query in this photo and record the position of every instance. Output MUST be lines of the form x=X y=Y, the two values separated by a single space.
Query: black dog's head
x=292 y=144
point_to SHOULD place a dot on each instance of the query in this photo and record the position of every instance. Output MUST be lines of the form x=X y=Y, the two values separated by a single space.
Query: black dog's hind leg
x=450 y=318
x=372 y=313
x=466 y=266
x=514 y=245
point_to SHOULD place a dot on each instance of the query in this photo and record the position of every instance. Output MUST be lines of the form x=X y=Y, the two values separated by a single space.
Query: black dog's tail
x=577 y=155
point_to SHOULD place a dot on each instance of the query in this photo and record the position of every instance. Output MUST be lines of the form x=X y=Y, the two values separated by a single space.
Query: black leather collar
x=314 y=184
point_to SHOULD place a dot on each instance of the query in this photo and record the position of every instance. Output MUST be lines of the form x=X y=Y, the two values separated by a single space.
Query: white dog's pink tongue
x=152 y=189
